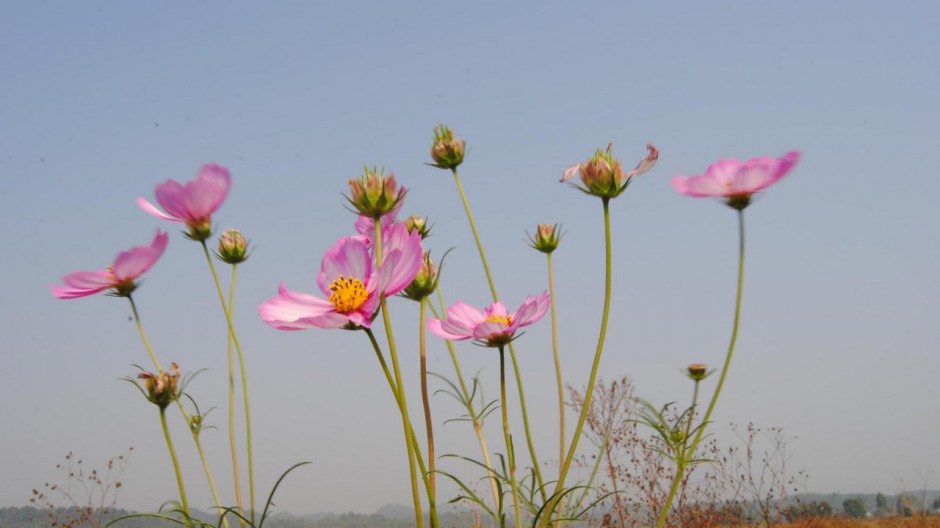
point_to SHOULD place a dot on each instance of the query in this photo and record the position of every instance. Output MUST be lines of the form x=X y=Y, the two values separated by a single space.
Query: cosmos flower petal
x=446 y=330
x=488 y=330
x=533 y=309
x=349 y=257
x=83 y=284
x=569 y=173
x=463 y=314
x=291 y=310
x=730 y=178
x=207 y=192
x=135 y=262
x=152 y=210
x=403 y=260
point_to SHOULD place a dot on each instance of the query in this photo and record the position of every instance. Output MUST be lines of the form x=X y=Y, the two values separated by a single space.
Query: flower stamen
x=349 y=293
x=505 y=319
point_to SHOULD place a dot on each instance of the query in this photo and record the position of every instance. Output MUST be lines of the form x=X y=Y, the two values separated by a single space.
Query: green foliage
x=855 y=508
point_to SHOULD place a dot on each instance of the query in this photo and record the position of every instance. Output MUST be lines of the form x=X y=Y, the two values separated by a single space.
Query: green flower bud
x=447 y=151
x=375 y=194
x=233 y=248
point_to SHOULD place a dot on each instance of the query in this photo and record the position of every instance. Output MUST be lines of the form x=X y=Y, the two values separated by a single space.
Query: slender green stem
x=417 y=449
x=690 y=454
x=176 y=464
x=512 y=351
x=238 y=348
x=589 y=392
x=231 y=405
x=143 y=335
x=561 y=385
x=208 y=472
x=734 y=332
x=186 y=417
x=471 y=410
x=429 y=426
x=402 y=403
x=510 y=452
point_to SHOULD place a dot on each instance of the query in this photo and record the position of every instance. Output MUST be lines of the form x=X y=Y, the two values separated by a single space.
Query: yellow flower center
x=349 y=293
x=499 y=319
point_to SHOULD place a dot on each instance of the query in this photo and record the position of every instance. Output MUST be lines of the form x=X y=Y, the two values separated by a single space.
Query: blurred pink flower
x=120 y=276
x=194 y=202
x=350 y=283
x=495 y=327
x=736 y=181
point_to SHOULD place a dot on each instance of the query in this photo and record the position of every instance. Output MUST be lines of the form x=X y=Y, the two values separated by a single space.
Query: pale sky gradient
x=839 y=342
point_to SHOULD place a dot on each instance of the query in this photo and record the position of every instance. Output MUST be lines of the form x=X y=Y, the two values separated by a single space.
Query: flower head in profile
x=350 y=283
x=494 y=327
x=374 y=194
x=547 y=237
x=735 y=181
x=192 y=203
x=603 y=176
x=447 y=151
x=120 y=277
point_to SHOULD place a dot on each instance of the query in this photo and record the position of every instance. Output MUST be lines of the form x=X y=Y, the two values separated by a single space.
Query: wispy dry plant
x=89 y=497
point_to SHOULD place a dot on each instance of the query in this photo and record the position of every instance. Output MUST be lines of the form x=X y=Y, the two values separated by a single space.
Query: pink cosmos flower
x=350 y=282
x=736 y=181
x=194 y=202
x=495 y=327
x=602 y=174
x=120 y=276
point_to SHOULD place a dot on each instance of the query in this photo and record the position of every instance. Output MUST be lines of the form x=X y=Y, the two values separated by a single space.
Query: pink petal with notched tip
x=533 y=309
x=291 y=310
x=133 y=263
x=447 y=331
x=82 y=284
x=152 y=210
x=403 y=260
x=349 y=257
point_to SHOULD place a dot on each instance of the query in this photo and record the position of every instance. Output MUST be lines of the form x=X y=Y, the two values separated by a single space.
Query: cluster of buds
x=447 y=151
x=547 y=237
x=375 y=194
x=419 y=223
x=162 y=388
x=603 y=176
x=233 y=248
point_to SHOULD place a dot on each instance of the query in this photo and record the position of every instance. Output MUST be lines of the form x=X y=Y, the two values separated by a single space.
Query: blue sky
x=839 y=343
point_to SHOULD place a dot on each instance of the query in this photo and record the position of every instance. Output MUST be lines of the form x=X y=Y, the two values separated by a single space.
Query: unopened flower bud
x=697 y=371
x=375 y=194
x=420 y=223
x=447 y=151
x=603 y=176
x=424 y=282
x=547 y=237
x=233 y=248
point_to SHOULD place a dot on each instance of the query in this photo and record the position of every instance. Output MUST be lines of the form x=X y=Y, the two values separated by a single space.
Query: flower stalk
x=401 y=400
x=510 y=452
x=689 y=453
x=234 y=339
x=512 y=352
